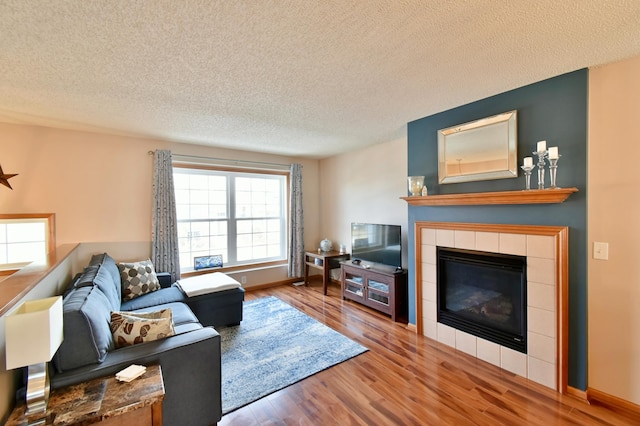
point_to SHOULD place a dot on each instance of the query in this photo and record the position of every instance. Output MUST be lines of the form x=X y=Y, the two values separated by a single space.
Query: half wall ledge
x=532 y=196
x=16 y=286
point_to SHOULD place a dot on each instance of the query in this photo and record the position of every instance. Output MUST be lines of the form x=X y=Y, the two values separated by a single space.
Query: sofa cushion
x=100 y=276
x=105 y=259
x=185 y=328
x=164 y=295
x=85 y=278
x=72 y=284
x=87 y=336
x=132 y=328
x=182 y=314
x=103 y=272
x=137 y=278
x=105 y=283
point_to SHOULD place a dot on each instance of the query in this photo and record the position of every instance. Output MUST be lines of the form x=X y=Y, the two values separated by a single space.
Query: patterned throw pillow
x=137 y=278
x=131 y=328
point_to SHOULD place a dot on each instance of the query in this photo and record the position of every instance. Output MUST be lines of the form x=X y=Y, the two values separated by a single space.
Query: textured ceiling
x=302 y=78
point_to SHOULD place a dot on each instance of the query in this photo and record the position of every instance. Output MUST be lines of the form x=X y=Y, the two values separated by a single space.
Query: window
x=24 y=239
x=239 y=215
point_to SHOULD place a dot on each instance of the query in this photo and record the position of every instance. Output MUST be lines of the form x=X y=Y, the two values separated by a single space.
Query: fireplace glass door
x=483 y=294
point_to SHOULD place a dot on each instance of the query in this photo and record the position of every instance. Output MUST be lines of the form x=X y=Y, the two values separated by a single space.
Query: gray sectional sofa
x=190 y=359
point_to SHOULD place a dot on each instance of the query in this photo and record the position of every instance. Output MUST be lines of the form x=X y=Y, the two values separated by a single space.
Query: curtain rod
x=237 y=162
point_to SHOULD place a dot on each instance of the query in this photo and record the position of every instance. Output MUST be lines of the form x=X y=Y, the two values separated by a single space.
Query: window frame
x=188 y=270
x=50 y=233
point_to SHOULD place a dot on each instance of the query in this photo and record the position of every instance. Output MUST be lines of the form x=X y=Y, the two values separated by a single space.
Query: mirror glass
x=484 y=149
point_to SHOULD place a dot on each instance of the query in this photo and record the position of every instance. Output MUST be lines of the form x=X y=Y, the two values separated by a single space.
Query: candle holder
x=553 y=168
x=541 y=163
x=527 y=176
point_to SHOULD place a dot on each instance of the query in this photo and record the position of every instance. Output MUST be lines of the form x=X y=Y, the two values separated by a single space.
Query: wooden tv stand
x=382 y=289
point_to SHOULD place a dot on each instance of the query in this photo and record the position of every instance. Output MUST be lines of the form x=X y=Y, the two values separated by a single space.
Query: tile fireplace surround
x=546 y=250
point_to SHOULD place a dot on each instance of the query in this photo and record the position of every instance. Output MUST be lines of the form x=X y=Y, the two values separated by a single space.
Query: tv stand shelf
x=382 y=289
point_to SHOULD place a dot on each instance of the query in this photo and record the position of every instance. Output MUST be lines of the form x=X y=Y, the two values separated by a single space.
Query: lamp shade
x=33 y=332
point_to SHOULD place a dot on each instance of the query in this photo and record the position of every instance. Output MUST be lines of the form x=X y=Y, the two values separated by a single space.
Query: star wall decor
x=4 y=178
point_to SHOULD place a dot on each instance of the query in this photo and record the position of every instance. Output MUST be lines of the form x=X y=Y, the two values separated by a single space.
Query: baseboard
x=578 y=393
x=273 y=284
x=613 y=402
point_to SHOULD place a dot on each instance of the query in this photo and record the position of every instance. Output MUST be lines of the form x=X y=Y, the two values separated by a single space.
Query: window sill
x=235 y=269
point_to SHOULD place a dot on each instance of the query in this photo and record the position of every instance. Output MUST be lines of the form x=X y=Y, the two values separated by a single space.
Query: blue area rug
x=274 y=347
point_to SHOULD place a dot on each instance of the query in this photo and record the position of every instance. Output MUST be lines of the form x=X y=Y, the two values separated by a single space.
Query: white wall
x=364 y=186
x=613 y=212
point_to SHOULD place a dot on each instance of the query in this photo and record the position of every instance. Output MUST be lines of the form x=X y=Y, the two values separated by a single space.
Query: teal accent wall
x=554 y=110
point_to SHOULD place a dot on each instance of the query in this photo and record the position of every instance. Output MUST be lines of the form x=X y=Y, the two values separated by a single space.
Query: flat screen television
x=375 y=243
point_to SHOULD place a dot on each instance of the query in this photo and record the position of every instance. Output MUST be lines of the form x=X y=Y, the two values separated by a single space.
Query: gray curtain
x=296 y=223
x=164 y=235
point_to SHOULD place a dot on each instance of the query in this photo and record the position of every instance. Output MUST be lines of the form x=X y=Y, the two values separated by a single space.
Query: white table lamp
x=33 y=333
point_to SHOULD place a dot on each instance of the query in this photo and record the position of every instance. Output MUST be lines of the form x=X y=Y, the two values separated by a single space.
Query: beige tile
x=430 y=329
x=465 y=240
x=542 y=372
x=428 y=236
x=445 y=238
x=488 y=351
x=428 y=254
x=541 y=322
x=513 y=244
x=541 y=270
x=429 y=272
x=429 y=310
x=488 y=241
x=466 y=342
x=541 y=296
x=541 y=347
x=541 y=246
x=429 y=291
x=513 y=361
x=446 y=335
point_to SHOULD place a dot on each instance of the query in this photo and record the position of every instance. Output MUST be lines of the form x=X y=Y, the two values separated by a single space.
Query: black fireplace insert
x=484 y=294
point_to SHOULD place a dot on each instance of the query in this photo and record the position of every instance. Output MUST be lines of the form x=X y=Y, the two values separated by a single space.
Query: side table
x=325 y=261
x=104 y=400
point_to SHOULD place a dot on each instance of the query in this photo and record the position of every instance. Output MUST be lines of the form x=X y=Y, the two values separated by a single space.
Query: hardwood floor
x=406 y=379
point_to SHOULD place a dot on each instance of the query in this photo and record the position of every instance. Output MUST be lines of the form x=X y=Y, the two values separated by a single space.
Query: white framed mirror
x=484 y=149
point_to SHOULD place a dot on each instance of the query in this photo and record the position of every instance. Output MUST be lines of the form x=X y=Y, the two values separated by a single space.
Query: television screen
x=376 y=243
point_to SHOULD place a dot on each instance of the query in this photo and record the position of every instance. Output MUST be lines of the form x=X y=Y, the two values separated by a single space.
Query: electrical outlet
x=243 y=279
x=601 y=251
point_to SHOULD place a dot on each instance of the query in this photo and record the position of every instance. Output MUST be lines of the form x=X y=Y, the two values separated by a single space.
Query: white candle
x=542 y=146
x=553 y=153
x=528 y=161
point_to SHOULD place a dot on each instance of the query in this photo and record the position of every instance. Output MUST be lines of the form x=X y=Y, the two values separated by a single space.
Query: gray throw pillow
x=137 y=278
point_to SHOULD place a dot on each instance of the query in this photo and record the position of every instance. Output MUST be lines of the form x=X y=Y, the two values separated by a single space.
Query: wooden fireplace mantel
x=533 y=196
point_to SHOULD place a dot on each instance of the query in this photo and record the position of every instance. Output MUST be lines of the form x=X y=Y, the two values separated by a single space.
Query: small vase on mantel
x=416 y=183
